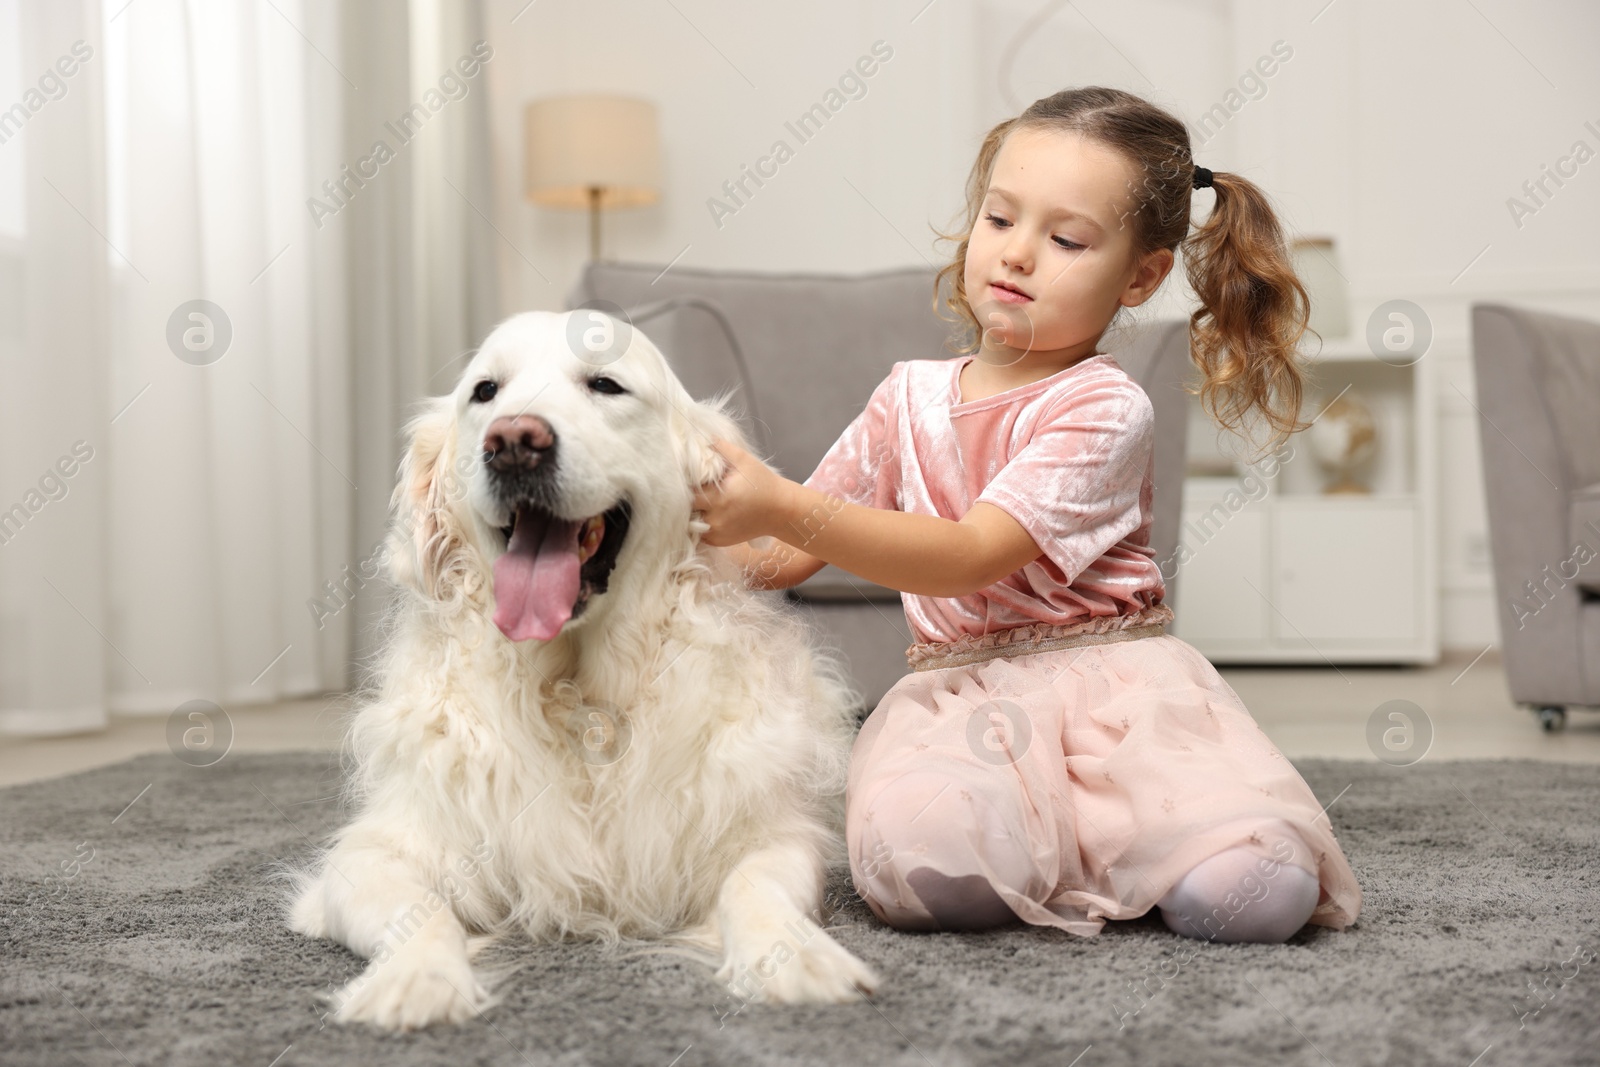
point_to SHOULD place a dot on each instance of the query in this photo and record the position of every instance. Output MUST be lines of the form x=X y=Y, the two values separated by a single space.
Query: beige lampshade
x=575 y=143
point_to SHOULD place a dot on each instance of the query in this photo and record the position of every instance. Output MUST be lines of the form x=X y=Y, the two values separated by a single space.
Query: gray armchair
x=784 y=328
x=1538 y=381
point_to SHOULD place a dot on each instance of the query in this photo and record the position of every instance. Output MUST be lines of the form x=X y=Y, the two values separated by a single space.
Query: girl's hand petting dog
x=751 y=500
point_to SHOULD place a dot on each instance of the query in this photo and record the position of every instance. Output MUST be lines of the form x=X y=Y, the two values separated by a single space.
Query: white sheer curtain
x=214 y=538
x=54 y=386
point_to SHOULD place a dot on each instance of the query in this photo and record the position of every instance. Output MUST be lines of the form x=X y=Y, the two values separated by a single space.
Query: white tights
x=1226 y=898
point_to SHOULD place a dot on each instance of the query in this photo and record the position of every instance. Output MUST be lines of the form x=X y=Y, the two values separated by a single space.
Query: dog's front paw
x=412 y=989
x=817 y=971
x=307 y=912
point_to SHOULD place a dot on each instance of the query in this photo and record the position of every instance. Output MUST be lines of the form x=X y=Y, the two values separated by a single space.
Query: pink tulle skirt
x=1081 y=782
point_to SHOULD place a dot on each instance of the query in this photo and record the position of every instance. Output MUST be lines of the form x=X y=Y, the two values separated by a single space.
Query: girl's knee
x=1230 y=897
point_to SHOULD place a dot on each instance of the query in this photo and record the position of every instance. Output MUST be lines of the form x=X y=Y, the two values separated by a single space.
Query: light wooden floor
x=1306 y=712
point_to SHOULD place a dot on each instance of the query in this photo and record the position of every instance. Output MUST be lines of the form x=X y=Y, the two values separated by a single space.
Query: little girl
x=1055 y=755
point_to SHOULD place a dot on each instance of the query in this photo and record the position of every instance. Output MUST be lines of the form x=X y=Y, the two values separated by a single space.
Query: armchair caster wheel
x=1552 y=717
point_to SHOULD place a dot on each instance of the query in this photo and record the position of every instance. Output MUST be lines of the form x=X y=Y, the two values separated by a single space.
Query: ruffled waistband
x=1038 y=637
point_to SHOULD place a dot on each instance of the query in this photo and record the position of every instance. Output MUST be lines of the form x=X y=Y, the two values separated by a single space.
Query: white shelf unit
x=1275 y=571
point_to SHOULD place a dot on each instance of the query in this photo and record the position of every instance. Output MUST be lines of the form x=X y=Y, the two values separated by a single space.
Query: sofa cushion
x=1584 y=535
x=831 y=585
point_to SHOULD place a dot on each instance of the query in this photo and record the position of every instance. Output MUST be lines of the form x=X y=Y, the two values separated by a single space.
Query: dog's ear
x=426 y=540
x=697 y=423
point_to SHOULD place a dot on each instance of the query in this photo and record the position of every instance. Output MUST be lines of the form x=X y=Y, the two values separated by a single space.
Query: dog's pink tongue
x=536 y=581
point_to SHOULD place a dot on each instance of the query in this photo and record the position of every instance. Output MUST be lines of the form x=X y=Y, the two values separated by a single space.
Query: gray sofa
x=1538 y=381
x=813 y=347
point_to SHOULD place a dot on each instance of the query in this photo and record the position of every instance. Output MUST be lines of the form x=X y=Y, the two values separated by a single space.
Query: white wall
x=12 y=84
x=903 y=144
x=1400 y=129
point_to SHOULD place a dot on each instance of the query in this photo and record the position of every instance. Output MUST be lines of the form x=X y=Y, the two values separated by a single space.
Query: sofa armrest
x=1583 y=518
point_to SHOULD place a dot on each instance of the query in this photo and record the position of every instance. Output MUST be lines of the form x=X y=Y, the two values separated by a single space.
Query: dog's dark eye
x=602 y=384
x=484 y=391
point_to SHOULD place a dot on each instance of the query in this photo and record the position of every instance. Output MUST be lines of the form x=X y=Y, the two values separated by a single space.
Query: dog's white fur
x=669 y=768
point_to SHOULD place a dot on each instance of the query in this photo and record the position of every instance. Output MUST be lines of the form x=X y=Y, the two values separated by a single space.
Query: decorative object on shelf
x=1342 y=439
x=1316 y=261
x=1283 y=565
x=592 y=151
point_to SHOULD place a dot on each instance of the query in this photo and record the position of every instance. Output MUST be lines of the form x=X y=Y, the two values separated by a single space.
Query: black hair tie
x=1202 y=178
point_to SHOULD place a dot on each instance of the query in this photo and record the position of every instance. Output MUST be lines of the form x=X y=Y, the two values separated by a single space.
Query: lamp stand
x=594 y=223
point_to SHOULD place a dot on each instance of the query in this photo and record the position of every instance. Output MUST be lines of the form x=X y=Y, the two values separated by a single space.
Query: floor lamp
x=592 y=151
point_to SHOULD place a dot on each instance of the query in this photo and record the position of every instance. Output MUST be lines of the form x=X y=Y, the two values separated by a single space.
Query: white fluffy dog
x=583 y=724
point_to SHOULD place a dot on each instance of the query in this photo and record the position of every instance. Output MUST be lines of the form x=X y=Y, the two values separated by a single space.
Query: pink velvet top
x=1071 y=457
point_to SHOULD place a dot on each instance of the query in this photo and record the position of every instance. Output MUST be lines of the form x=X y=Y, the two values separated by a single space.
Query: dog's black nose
x=517 y=442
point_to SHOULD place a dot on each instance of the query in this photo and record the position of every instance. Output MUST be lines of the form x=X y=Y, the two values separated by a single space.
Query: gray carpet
x=162 y=946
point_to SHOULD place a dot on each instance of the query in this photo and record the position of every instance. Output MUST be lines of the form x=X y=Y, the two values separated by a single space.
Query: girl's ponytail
x=1253 y=311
